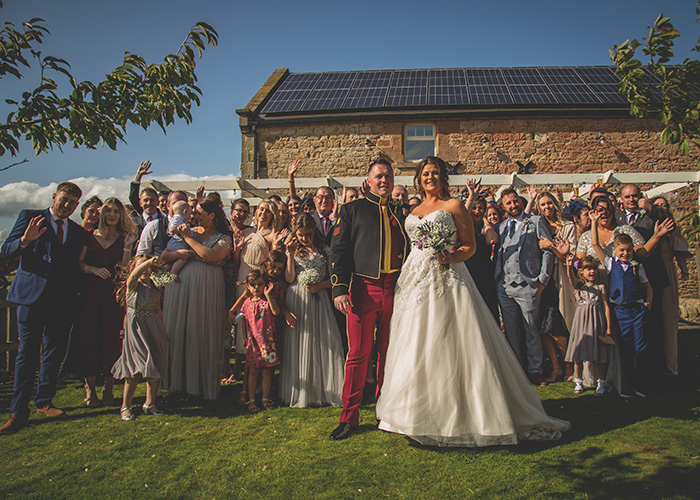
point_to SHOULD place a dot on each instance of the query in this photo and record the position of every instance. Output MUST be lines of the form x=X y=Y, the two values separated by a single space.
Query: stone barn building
x=480 y=120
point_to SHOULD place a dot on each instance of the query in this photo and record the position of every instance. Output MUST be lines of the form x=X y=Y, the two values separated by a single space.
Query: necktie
x=59 y=230
x=324 y=221
x=511 y=228
x=633 y=217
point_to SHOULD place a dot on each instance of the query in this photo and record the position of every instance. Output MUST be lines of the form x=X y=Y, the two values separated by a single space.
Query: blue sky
x=257 y=37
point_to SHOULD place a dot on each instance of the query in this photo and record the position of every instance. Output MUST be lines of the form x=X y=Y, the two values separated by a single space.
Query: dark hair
x=379 y=161
x=329 y=189
x=307 y=221
x=272 y=257
x=164 y=193
x=240 y=201
x=253 y=275
x=148 y=190
x=604 y=199
x=70 y=189
x=657 y=213
x=275 y=198
x=622 y=239
x=93 y=200
x=442 y=172
x=308 y=202
x=212 y=205
x=293 y=197
x=508 y=192
x=598 y=190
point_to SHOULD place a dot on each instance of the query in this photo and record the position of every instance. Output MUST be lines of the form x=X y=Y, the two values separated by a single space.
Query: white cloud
x=20 y=195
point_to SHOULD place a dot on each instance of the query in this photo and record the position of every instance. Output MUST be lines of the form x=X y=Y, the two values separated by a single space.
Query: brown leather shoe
x=15 y=423
x=51 y=411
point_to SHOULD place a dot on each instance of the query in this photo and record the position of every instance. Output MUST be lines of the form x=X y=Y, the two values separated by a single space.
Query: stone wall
x=483 y=146
x=552 y=144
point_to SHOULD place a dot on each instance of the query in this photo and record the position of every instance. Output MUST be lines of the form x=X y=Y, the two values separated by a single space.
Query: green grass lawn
x=638 y=448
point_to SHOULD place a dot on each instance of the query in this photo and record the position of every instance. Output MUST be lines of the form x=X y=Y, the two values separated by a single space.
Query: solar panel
x=490 y=94
x=410 y=78
x=365 y=98
x=336 y=80
x=477 y=76
x=447 y=77
x=300 y=81
x=325 y=99
x=445 y=95
x=522 y=76
x=560 y=75
x=406 y=96
x=531 y=86
x=531 y=94
x=573 y=94
x=372 y=79
x=597 y=75
x=286 y=100
x=608 y=93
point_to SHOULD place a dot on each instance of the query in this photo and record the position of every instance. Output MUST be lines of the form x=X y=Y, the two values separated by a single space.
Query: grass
x=638 y=448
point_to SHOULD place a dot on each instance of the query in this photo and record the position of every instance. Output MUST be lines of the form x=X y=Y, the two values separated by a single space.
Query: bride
x=451 y=378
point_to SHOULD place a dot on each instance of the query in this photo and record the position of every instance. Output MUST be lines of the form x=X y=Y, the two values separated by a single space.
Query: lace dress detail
x=421 y=272
x=217 y=239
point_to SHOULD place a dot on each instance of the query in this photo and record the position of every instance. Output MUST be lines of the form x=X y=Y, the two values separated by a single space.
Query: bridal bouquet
x=435 y=235
x=308 y=277
x=162 y=278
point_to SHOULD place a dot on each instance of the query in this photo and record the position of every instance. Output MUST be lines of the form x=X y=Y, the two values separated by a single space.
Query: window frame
x=418 y=138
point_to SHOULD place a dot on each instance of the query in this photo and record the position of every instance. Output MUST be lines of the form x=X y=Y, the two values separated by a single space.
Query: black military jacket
x=355 y=247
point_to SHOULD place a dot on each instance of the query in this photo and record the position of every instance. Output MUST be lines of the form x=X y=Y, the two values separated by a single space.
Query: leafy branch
x=669 y=93
x=94 y=114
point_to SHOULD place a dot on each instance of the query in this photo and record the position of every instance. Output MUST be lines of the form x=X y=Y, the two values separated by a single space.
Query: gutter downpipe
x=255 y=151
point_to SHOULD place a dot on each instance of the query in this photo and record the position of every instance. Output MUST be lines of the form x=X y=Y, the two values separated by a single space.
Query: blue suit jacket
x=36 y=259
x=535 y=265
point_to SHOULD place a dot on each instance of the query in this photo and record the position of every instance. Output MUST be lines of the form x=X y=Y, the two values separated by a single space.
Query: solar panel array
x=485 y=87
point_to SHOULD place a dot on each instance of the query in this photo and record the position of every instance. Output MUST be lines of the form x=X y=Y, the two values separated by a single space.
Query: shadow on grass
x=626 y=475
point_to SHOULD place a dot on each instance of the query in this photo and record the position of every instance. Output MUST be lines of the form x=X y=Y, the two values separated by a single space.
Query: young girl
x=259 y=309
x=312 y=368
x=145 y=347
x=591 y=326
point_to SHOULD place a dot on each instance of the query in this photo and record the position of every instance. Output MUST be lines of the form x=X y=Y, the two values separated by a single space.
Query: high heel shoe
x=151 y=410
x=132 y=416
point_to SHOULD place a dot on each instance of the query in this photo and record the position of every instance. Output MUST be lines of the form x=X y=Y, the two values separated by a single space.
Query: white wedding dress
x=451 y=378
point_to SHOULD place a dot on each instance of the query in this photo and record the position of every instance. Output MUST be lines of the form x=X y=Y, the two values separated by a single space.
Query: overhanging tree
x=657 y=89
x=94 y=114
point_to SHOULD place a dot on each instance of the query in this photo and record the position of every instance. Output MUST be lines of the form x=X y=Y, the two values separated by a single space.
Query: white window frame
x=418 y=138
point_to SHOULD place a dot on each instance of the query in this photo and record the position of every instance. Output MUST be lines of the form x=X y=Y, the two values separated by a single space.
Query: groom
x=369 y=247
x=522 y=272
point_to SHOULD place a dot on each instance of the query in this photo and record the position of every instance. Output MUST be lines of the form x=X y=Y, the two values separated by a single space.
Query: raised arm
x=661 y=229
x=293 y=167
x=134 y=188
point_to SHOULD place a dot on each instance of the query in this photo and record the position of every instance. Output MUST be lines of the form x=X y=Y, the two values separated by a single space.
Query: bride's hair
x=444 y=179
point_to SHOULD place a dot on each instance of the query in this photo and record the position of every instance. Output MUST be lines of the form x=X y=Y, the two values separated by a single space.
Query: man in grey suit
x=522 y=272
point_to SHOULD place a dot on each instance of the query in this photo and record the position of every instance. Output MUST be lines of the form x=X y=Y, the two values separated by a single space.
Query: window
x=420 y=142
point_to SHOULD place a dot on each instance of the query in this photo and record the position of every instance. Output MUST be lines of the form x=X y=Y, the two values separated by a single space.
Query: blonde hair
x=274 y=223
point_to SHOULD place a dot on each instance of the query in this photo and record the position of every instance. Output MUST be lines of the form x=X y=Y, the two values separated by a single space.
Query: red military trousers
x=372 y=305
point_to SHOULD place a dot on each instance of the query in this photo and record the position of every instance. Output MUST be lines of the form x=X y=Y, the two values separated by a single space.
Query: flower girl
x=312 y=368
x=259 y=308
x=591 y=326
x=145 y=346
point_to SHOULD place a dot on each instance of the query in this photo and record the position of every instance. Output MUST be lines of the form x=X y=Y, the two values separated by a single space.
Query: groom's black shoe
x=342 y=431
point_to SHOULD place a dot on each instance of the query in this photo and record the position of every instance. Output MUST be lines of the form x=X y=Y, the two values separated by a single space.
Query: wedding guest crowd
x=554 y=275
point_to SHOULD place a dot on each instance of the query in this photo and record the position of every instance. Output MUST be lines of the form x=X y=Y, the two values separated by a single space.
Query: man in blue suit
x=522 y=272
x=45 y=290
